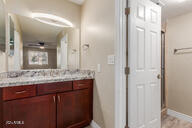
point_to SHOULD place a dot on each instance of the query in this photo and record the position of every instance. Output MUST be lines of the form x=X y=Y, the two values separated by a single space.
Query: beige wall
x=2 y=58
x=2 y=61
x=52 y=59
x=179 y=67
x=73 y=59
x=63 y=8
x=73 y=44
x=16 y=62
x=98 y=18
x=2 y=47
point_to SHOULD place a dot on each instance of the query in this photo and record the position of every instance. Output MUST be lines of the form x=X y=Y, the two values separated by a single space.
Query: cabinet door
x=73 y=109
x=36 y=112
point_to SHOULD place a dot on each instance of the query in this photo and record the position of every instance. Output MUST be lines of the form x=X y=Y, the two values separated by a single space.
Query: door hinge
x=127 y=70
x=127 y=11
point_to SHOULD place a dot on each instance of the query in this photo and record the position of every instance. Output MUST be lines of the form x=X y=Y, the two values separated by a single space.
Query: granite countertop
x=19 y=78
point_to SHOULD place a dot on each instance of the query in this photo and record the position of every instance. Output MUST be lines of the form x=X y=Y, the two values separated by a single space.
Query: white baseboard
x=94 y=125
x=179 y=115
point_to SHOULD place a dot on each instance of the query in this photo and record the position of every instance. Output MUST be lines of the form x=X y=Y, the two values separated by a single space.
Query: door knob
x=159 y=76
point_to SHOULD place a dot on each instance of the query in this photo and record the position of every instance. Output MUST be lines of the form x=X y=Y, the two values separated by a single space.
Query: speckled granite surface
x=29 y=77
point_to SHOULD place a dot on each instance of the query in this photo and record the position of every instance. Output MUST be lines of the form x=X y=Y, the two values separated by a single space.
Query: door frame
x=120 y=61
x=64 y=48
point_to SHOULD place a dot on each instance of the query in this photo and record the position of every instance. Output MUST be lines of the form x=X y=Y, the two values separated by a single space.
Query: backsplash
x=46 y=73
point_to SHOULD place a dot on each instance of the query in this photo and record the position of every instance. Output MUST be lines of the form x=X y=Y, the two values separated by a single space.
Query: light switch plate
x=111 y=59
x=98 y=67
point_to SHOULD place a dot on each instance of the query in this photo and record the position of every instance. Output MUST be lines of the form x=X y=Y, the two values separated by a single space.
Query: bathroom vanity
x=59 y=102
x=39 y=51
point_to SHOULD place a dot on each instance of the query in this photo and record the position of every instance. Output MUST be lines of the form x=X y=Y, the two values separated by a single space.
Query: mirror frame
x=3 y=2
x=9 y=29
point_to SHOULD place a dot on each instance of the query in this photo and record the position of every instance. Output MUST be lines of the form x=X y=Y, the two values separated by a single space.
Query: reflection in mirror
x=44 y=45
x=11 y=42
x=2 y=27
x=2 y=38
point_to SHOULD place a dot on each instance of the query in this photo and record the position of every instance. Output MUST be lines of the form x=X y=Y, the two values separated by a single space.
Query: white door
x=17 y=51
x=144 y=62
x=64 y=52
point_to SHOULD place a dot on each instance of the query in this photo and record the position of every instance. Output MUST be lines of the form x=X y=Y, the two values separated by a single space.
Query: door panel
x=153 y=50
x=141 y=11
x=141 y=105
x=154 y=17
x=140 y=48
x=73 y=109
x=65 y=108
x=81 y=112
x=144 y=62
x=36 y=112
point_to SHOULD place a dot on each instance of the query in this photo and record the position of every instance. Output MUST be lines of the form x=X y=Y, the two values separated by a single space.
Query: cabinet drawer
x=82 y=84
x=17 y=92
x=54 y=88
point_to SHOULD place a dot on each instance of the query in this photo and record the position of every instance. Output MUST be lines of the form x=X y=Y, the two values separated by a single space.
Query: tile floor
x=171 y=122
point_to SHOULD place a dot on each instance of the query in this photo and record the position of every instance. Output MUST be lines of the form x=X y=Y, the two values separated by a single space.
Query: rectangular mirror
x=2 y=38
x=12 y=38
x=2 y=27
x=40 y=45
x=46 y=36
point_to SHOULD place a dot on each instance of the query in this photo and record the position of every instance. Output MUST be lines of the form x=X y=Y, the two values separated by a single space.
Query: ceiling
x=63 y=8
x=34 y=31
x=175 y=8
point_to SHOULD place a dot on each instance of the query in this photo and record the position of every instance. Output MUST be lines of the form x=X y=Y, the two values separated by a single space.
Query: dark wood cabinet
x=73 y=109
x=81 y=106
x=65 y=110
x=36 y=112
x=56 y=105
x=49 y=88
x=18 y=92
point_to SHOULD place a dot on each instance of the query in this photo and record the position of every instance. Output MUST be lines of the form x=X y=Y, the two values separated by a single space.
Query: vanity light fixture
x=52 y=20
